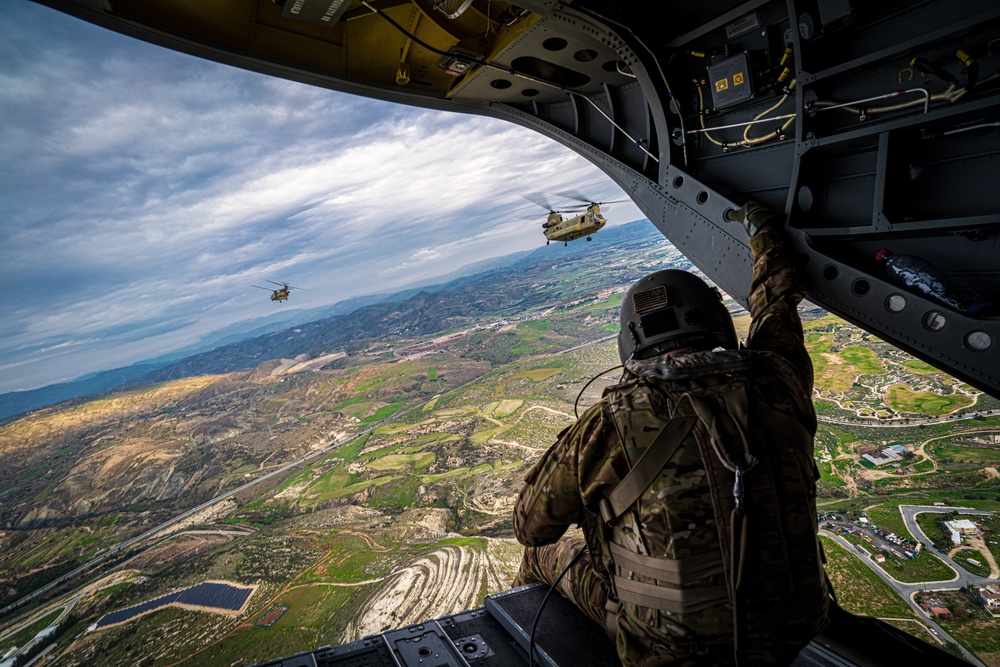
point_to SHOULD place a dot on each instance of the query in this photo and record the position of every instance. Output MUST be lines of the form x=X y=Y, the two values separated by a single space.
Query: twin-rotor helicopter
x=280 y=294
x=588 y=218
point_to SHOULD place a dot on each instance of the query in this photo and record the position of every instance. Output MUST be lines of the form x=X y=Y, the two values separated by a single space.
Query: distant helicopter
x=587 y=221
x=279 y=294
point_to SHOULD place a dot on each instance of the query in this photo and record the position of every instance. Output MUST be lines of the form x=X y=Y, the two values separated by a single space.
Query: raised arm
x=775 y=294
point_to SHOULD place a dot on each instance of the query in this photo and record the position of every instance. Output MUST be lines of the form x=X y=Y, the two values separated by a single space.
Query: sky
x=143 y=193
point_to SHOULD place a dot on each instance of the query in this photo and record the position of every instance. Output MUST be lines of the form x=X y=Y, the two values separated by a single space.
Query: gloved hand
x=753 y=215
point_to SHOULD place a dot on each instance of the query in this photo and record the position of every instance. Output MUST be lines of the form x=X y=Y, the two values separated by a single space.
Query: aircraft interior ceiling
x=869 y=125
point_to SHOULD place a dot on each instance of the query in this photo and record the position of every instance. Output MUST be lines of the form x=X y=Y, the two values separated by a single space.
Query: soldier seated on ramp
x=693 y=478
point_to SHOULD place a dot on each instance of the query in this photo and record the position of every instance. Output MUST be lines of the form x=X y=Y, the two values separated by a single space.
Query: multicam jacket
x=675 y=518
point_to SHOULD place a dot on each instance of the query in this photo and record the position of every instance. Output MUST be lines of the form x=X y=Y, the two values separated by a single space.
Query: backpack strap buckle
x=738 y=489
x=608 y=516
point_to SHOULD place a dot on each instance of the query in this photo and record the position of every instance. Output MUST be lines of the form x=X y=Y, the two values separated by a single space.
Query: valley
x=400 y=456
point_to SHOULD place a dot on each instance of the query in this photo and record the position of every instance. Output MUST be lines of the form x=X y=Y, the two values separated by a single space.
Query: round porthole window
x=895 y=303
x=935 y=321
x=978 y=341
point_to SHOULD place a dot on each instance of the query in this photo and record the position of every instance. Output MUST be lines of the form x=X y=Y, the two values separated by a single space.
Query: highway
x=152 y=532
x=899 y=422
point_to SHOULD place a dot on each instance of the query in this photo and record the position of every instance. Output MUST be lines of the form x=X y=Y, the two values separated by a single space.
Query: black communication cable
x=376 y=10
x=576 y=403
x=538 y=614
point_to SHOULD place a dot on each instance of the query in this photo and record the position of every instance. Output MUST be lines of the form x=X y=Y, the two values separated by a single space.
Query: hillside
x=386 y=468
x=81 y=475
x=550 y=276
x=476 y=291
x=413 y=519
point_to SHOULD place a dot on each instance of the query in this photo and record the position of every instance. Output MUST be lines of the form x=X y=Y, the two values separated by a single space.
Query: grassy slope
x=414 y=462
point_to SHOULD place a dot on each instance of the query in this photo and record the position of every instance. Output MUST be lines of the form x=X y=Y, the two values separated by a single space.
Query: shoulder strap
x=645 y=470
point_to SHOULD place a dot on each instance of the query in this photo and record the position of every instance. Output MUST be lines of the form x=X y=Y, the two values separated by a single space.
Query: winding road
x=907 y=591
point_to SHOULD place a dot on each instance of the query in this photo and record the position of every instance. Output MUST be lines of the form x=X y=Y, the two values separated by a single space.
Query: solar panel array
x=208 y=594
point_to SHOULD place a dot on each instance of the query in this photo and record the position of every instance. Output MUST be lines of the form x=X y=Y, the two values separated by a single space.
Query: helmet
x=673 y=309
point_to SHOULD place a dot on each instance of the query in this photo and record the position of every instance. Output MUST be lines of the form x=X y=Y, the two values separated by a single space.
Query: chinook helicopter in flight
x=588 y=219
x=279 y=294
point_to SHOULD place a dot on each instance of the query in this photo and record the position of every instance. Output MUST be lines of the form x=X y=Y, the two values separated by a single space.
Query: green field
x=965 y=454
x=326 y=530
x=381 y=414
x=963 y=556
x=395 y=462
x=863 y=359
x=859 y=590
x=919 y=367
x=925 y=567
x=889 y=518
x=903 y=398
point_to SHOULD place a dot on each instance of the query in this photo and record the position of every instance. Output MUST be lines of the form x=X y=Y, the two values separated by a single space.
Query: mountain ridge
x=183 y=363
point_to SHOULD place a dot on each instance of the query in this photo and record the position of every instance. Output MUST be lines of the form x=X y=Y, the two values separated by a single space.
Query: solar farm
x=218 y=597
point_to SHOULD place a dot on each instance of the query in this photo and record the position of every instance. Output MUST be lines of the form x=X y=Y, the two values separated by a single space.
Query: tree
x=954 y=649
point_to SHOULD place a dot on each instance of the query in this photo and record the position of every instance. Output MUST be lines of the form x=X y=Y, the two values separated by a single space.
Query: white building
x=990 y=593
x=960 y=528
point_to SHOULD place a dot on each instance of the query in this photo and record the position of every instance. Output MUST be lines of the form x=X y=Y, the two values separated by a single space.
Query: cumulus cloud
x=143 y=192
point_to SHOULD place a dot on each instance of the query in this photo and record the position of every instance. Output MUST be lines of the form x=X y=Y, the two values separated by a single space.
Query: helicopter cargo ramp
x=497 y=635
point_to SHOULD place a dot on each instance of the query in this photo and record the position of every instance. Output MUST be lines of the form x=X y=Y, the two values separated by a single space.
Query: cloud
x=143 y=192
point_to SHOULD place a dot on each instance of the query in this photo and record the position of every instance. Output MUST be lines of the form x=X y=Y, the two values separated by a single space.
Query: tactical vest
x=711 y=536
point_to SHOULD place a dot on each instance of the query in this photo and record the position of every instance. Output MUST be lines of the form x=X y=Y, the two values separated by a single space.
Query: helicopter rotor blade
x=589 y=202
x=539 y=200
x=259 y=287
x=278 y=284
x=571 y=194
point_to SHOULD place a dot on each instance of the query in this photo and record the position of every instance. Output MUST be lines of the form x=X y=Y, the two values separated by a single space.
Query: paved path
x=963 y=578
x=907 y=591
x=897 y=422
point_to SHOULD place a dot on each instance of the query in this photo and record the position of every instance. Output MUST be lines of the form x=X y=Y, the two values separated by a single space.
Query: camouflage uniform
x=588 y=460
